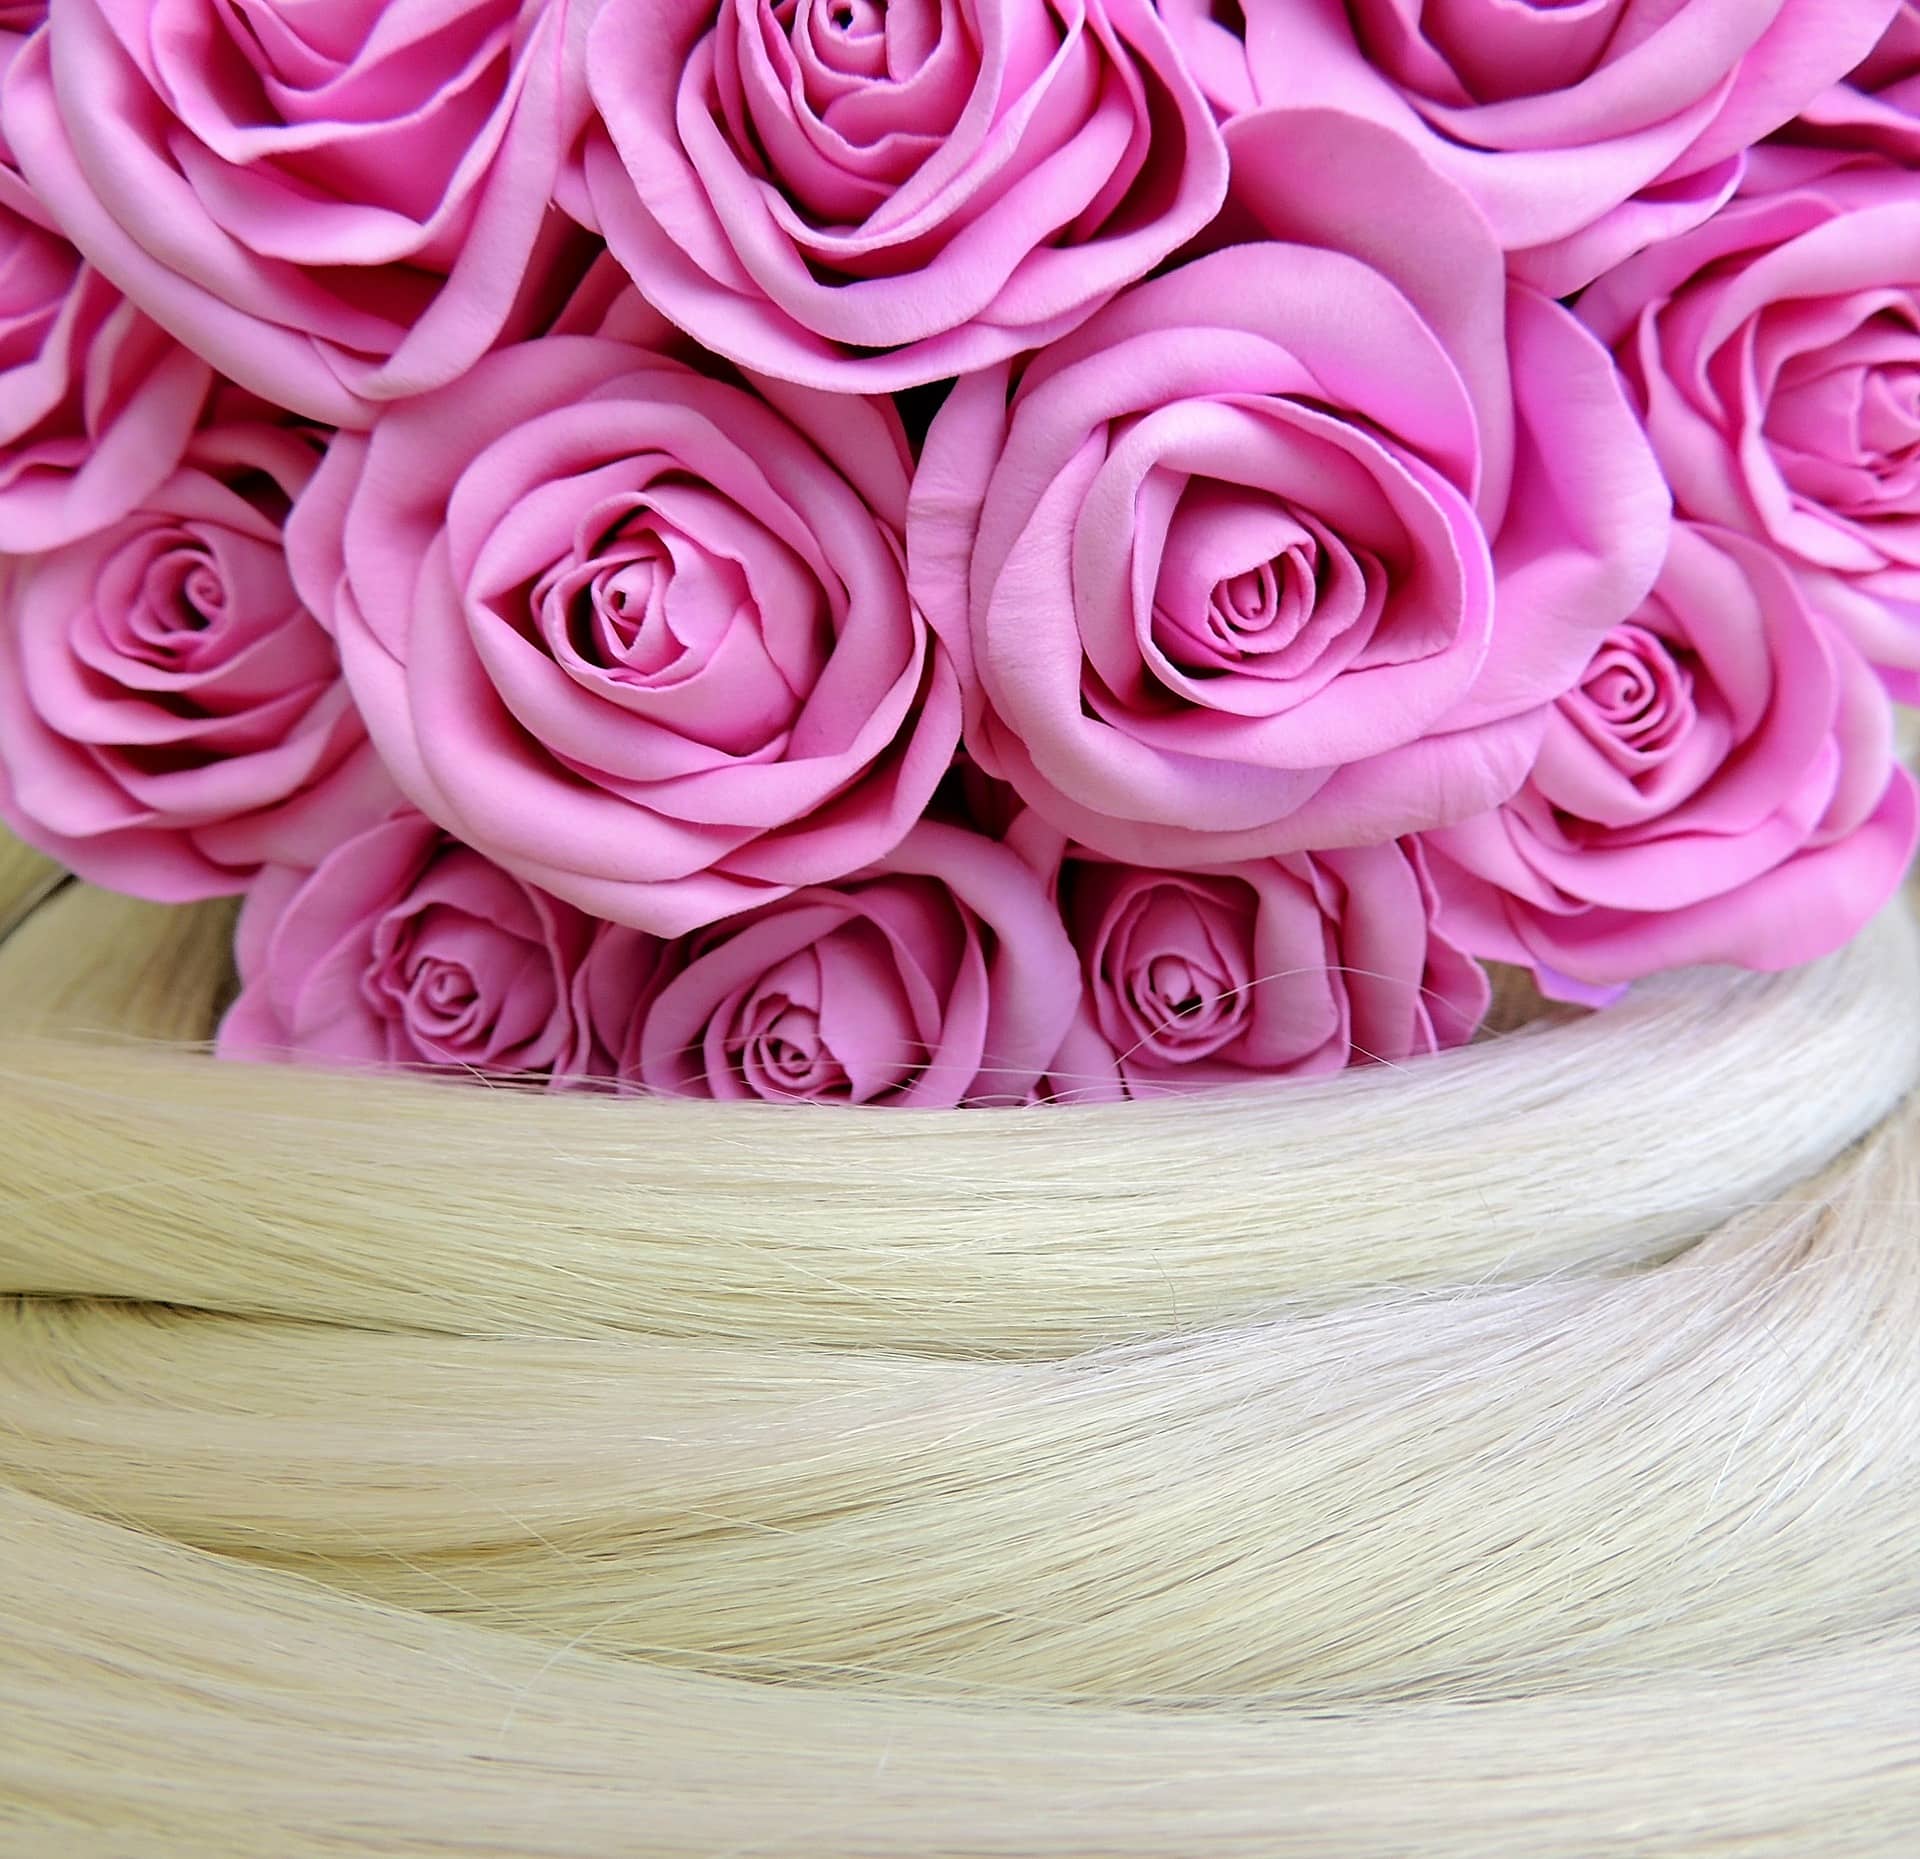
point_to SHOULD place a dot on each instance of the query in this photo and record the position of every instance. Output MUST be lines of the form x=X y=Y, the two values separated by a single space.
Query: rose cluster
x=958 y=552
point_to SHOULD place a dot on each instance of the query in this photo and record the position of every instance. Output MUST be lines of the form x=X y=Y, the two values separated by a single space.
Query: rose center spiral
x=1176 y=988
x=164 y=602
x=1636 y=695
x=1843 y=421
x=1179 y=954
x=784 y=1054
x=446 y=977
x=837 y=41
x=1890 y=417
x=441 y=994
x=843 y=100
x=652 y=603
x=1249 y=586
x=1277 y=594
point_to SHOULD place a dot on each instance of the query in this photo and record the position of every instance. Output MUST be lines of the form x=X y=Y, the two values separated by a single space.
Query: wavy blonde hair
x=1512 y=1454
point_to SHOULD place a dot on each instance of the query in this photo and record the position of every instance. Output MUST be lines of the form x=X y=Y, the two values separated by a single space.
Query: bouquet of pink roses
x=937 y=552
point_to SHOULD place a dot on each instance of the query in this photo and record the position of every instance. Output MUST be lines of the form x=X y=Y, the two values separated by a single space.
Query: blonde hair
x=1513 y=1454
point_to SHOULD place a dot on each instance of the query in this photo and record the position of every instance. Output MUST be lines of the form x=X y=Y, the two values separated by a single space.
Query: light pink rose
x=1719 y=787
x=638 y=635
x=406 y=948
x=171 y=717
x=1584 y=131
x=1286 y=967
x=868 y=194
x=337 y=204
x=1776 y=353
x=1291 y=547
x=941 y=976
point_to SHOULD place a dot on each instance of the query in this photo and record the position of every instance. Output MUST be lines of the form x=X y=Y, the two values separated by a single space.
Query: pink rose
x=96 y=403
x=337 y=204
x=1896 y=58
x=940 y=976
x=864 y=195
x=1878 y=107
x=624 y=968
x=406 y=948
x=1285 y=967
x=1583 y=131
x=1719 y=787
x=639 y=636
x=1776 y=352
x=18 y=23
x=1292 y=547
x=171 y=717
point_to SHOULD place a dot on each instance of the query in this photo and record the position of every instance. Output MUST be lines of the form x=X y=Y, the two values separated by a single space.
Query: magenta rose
x=1719 y=787
x=1285 y=967
x=940 y=976
x=638 y=635
x=336 y=204
x=869 y=194
x=171 y=716
x=1584 y=132
x=1776 y=352
x=1292 y=547
x=406 y=948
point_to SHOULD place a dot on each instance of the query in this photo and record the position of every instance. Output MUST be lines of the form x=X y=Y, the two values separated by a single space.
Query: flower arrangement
x=959 y=552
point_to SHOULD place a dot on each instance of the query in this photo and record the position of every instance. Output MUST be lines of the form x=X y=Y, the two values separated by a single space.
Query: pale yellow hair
x=1514 y=1454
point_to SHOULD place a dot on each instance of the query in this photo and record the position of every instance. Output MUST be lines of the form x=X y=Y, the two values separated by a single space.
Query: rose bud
x=171 y=715
x=1293 y=546
x=1283 y=967
x=336 y=205
x=404 y=947
x=1720 y=786
x=940 y=976
x=639 y=635
x=869 y=194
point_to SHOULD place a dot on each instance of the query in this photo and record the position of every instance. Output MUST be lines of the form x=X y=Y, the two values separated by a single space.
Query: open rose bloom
x=933 y=553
